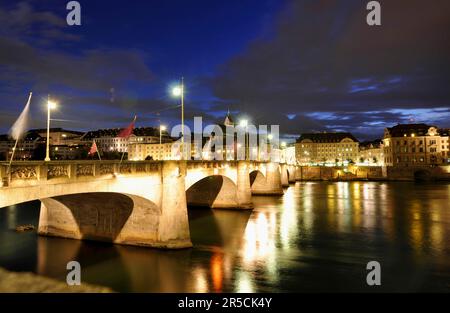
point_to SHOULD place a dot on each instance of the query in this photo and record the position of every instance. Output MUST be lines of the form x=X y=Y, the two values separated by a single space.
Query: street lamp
x=269 y=150
x=244 y=124
x=178 y=91
x=50 y=106
x=161 y=129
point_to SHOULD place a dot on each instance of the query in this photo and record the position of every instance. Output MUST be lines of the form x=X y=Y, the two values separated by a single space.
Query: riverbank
x=29 y=282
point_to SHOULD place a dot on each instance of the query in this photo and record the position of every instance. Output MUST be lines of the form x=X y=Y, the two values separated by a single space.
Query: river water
x=318 y=237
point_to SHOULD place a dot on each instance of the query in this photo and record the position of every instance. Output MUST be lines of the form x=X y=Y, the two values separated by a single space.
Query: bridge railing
x=29 y=173
x=34 y=172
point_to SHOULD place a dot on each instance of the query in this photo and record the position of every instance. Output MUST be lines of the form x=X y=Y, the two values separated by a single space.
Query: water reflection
x=314 y=238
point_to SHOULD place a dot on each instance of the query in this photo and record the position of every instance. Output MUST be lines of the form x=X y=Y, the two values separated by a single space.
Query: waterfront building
x=326 y=148
x=60 y=136
x=64 y=144
x=24 y=150
x=150 y=151
x=287 y=154
x=108 y=140
x=416 y=144
x=371 y=153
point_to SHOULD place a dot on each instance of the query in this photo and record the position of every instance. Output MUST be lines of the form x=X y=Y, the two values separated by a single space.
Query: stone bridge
x=136 y=203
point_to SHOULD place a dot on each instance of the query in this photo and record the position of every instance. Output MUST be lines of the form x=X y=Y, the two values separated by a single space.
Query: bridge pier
x=122 y=218
x=220 y=187
x=284 y=175
x=243 y=192
x=271 y=185
x=298 y=173
x=291 y=170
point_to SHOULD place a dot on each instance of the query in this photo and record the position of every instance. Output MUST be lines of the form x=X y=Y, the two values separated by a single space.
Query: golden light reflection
x=437 y=237
x=201 y=283
x=11 y=216
x=289 y=220
x=356 y=190
x=217 y=271
x=417 y=234
x=259 y=247
x=244 y=283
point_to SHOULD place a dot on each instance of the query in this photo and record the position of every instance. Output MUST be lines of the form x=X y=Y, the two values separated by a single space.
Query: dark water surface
x=317 y=237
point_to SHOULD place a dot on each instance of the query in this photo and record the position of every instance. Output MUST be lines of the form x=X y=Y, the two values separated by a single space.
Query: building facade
x=371 y=153
x=326 y=148
x=150 y=151
x=64 y=144
x=416 y=144
x=108 y=140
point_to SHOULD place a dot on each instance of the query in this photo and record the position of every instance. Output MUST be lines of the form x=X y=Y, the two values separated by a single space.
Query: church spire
x=228 y=120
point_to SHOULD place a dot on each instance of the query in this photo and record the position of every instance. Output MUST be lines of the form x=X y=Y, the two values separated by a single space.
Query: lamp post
x=244 y=124
x=50 y=105
x=283 y=152
x=269 y=152
x=178 y=91
x=161 y=129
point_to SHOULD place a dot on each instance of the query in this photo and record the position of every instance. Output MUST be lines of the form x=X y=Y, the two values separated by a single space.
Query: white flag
x=20 y=126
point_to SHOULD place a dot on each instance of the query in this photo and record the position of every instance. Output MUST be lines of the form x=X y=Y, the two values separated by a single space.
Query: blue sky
x=305 y=65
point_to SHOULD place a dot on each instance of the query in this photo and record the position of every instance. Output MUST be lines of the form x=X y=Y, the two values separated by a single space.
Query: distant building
x=108 y=141
x=25 y=147
x=64 y=144
x=150 y=151
x=287 y=155
x=323 y=148
x=416 y=144
x=371 y=153
x=60 y=136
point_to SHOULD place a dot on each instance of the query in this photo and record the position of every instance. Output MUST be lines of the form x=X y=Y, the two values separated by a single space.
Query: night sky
x=305 y=65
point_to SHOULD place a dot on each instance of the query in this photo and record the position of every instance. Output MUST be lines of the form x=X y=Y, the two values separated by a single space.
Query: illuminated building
x=371 y=153
x=108 y=140
x=321 y=148
x=415 y=144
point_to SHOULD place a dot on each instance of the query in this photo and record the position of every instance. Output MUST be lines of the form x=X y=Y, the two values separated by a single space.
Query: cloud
x=34 y=56
x=91 y=70
x=325 y=58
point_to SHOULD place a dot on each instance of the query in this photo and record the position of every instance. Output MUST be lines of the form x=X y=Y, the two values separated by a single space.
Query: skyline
x=304 y=65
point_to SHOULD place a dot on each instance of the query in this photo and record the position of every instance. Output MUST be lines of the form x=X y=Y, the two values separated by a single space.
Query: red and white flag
x=127 y=132
x=93 y=148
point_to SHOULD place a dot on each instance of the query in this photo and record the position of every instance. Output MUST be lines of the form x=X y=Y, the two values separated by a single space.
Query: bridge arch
x=266 y=180
x=151 y=208
x=257 y=176
x=102 y=216
x=216 y=191
x=422 y=175
x=291 y=173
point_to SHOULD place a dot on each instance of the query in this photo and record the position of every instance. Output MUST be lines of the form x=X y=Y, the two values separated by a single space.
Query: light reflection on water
x=317 y=237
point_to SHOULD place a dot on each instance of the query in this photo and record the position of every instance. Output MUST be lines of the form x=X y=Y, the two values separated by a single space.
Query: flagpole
x=123 y=153
x=12 y=155
x=17 y=141
x=100 y=158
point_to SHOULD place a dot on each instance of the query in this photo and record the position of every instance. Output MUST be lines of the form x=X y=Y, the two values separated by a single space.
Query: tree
x=39 y=152
x=149 y=158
